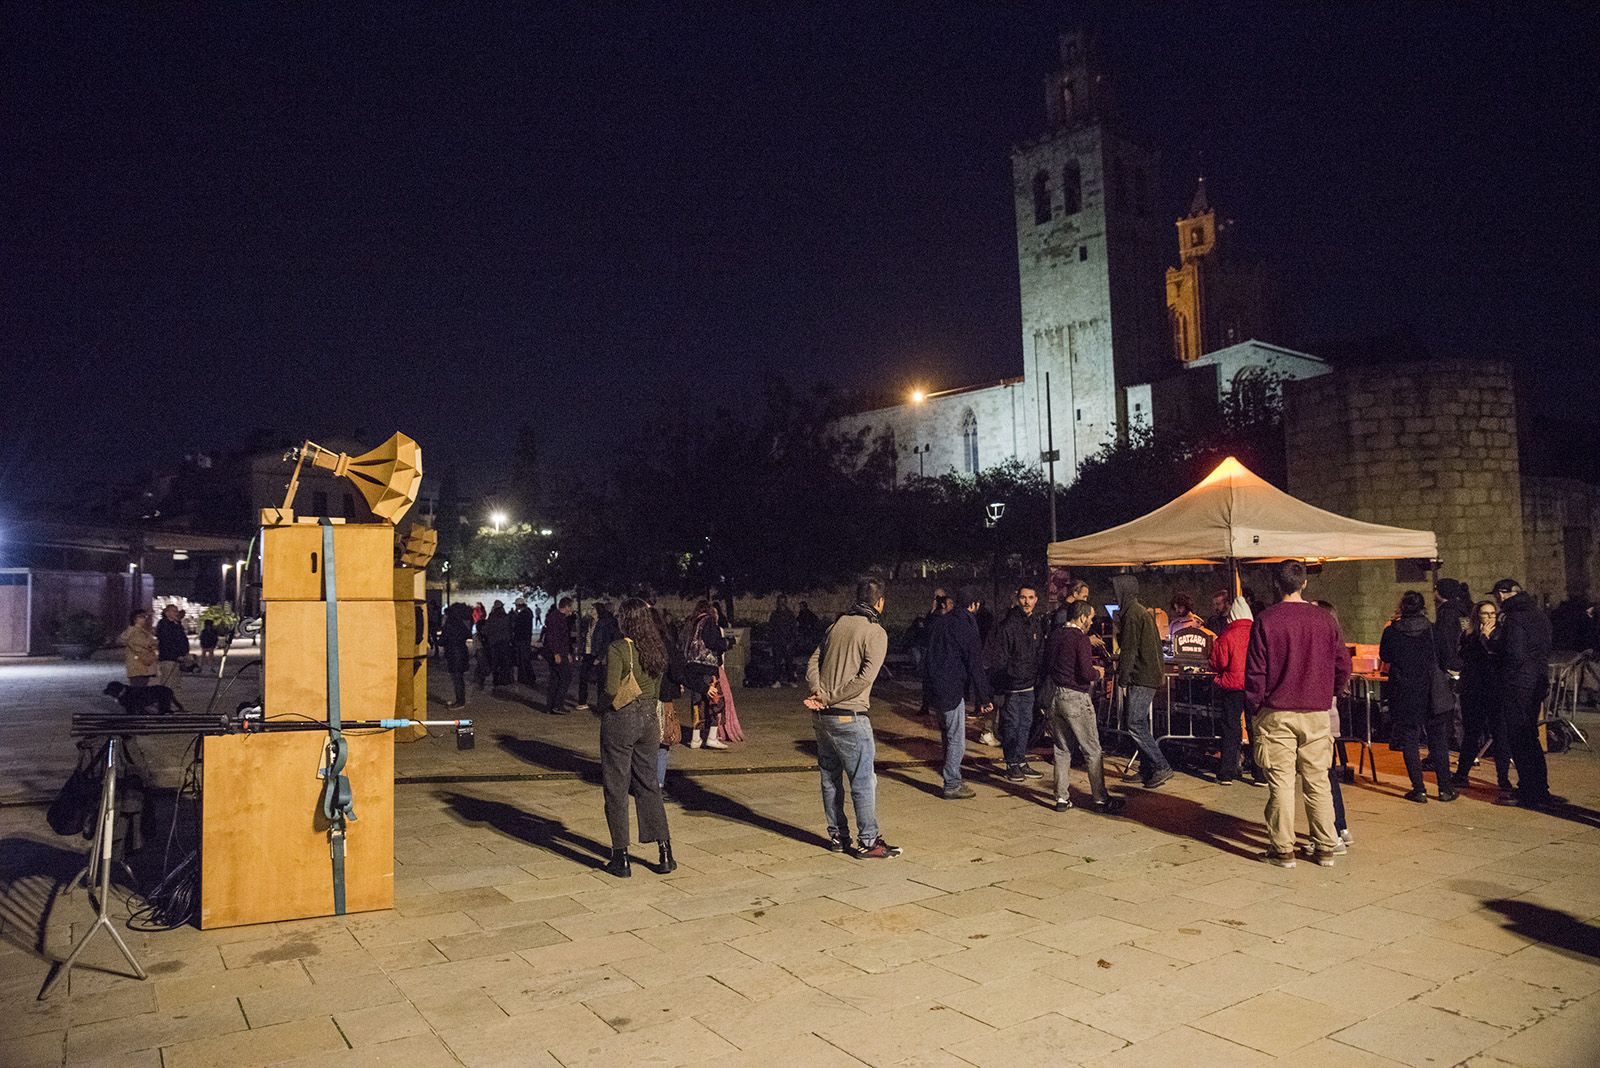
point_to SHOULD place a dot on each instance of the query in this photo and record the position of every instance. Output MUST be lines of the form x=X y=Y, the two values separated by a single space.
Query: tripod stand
x=99 y=870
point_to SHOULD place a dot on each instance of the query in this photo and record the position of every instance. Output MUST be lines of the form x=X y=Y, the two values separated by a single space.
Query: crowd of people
x=1278 y=673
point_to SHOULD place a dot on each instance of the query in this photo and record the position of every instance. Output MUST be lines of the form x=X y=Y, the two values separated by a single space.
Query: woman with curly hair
x=630 y=736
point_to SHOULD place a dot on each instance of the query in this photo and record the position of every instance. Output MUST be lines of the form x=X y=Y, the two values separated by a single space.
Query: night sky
x=594 y=217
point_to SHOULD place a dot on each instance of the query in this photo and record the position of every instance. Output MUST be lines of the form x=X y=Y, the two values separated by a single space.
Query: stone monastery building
x=1100 y=352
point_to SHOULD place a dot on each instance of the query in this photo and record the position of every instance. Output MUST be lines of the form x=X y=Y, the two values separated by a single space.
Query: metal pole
x=1050 y=451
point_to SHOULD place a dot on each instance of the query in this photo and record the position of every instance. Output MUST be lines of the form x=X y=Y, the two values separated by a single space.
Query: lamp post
x=1051 y=454
x=498 y=518
x=921 y=452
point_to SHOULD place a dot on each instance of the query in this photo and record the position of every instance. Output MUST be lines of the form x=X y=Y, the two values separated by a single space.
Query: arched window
x=1072 y=189
x=969 y=441
x=1041 y=198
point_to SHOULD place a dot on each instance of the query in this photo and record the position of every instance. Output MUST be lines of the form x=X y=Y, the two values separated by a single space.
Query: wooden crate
x=264 y=845
x=293 y=564
x=296 y=659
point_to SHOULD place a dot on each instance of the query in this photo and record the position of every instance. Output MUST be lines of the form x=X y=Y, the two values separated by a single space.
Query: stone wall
x=1561 y=522
x=1428 y=445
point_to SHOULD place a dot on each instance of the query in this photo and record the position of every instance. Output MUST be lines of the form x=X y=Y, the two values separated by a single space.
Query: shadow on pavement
x=692 y=797
x=524 y=826
x=1550 y=926
x=32 y=873
x=551 y=757
x=1177 y=815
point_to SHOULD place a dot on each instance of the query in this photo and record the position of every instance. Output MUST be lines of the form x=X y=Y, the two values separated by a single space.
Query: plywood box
x=264 y=845
x=293 y=565
x=411 y=688
x=411 y=628
x=296 y=660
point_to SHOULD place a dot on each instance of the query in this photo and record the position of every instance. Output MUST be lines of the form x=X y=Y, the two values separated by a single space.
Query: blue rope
x=338 y=800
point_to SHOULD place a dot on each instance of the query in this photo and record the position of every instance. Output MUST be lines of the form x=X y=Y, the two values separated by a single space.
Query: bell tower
x=1087 y=247
x=1197 y=240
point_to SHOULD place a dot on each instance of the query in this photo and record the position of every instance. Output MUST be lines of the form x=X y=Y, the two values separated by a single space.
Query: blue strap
x=338 y=806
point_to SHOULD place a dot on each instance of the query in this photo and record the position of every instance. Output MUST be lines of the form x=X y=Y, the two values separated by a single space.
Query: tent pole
x=1233 y=569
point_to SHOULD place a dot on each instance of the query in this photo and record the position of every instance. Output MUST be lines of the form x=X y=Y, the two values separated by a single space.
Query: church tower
x=1186 y=308
x=1088 y=250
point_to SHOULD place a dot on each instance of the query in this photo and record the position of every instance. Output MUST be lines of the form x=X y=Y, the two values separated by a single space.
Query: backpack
x=695 y=650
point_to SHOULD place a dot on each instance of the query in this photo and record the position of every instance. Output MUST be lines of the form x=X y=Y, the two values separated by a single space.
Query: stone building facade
x=1561 y=535
x=1096 y=344
x=1430 y=446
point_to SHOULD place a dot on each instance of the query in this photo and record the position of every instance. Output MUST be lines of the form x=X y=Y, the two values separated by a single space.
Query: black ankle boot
x=667 y=865
x=619 y=864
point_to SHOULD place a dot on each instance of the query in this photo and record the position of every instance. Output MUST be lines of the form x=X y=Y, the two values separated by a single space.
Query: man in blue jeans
x=839 y=675
x=1139 y=672
x=953 y=666
x=1017 y=650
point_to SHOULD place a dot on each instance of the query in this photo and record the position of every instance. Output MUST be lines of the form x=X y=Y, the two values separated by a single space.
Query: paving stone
x=1046 y=1041
x=519 y=1040
x=1112 y=968
x=1359 y=987
x=284 y=946
x=672 y=965
x=257 y=1046
x=585 y=953
x=807 y=1050
x=1275 y=1022
x=1309 y=949
x=194 y=1019
x=455 y=1009
x=1558 y=1042
x=1142 y=1010
x=381 y=1023
x=1018 y=997
x=898 y=1034
x=1418 y=1034
x=1328 y=1053
x=1181 y=1047
x=652 y=1006
x=882 y=992
x=792 y=1015
x=498 y=942
x=1499 y=1000
x=234 y=982
x=682 y=1041
x=415 y=1051
x=1430 y=958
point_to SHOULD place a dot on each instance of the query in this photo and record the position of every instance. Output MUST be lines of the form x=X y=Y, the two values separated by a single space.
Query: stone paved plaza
x=1006 y=935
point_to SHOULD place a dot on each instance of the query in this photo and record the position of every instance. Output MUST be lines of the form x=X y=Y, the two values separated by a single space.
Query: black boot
x=619 y=864
x=667 y=865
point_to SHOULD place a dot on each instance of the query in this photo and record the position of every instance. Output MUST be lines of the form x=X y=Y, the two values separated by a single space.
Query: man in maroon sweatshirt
x=1296 y=662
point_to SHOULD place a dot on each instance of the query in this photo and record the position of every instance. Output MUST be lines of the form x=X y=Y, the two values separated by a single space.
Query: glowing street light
x=498 y=519
x=918 y=396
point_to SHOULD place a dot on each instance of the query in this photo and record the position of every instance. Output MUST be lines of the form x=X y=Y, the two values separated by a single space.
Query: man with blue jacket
x=953 y=666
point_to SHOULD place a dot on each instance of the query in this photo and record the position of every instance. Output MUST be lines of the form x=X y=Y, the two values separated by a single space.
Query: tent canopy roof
x=1233 y=513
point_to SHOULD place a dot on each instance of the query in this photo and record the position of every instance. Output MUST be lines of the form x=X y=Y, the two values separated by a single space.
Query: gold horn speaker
x=418 y=545
x=388 y=477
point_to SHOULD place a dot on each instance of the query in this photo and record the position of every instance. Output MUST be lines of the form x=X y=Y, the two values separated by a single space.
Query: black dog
x=142 y=700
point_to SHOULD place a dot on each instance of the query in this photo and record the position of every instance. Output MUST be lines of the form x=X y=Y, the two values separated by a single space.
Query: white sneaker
x=694 y=740
x=713 y=742
x=1346 y=837
x=988 y=738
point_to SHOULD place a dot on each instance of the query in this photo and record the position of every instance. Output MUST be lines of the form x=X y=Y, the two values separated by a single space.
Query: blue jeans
x=845 y=749
x=953 y=729
x=1015 y=713
x=1139 y=703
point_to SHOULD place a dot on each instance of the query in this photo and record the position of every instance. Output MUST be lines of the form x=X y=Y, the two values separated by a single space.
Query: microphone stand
x=99 y=870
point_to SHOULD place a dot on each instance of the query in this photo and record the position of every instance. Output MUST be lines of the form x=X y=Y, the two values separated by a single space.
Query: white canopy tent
x=1233 y=515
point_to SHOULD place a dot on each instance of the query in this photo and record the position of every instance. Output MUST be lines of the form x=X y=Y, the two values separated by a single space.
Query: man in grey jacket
x=839 y=675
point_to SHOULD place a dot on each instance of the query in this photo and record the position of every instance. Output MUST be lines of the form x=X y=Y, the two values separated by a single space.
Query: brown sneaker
x=878 y=850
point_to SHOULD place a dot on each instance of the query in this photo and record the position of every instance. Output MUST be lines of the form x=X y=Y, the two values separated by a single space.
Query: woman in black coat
x=453 y=636
x=1418 y=693
x=1480 y=694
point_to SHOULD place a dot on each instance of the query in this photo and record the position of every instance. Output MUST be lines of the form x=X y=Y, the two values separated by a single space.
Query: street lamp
x=1050 y=454
x=498 y=519
x=921 y=452
x=992 y=512
x=918 y=396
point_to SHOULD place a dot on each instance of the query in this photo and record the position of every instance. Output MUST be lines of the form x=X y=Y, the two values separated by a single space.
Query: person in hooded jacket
x=1417 y=692
x=1525 y=641
x=453 y=637
x=1227 y=660
x=495 y=630
x=1019 y=651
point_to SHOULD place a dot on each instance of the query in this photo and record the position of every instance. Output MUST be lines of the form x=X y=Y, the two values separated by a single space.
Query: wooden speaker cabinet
x=264 y=843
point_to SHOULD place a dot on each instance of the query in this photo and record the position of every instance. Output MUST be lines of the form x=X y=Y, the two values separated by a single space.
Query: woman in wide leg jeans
x=630 y=735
